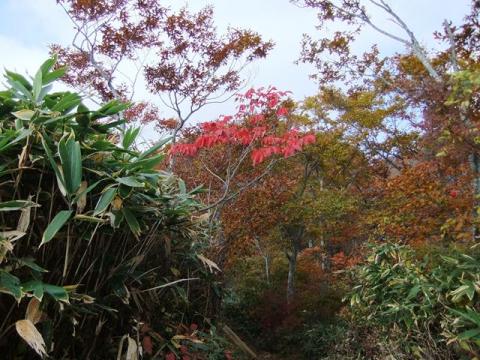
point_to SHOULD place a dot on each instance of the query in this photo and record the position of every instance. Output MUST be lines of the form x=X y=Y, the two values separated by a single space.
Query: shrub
x=91 y=231
x=428 y=307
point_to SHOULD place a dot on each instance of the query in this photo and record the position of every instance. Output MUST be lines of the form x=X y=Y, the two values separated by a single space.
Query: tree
x=423 y=81
x=230 y=154
x=87 y=225
x=181 y=56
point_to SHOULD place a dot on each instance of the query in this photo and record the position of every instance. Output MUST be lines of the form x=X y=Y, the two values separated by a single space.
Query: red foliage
x=170 y=356
x=143 y=112
x=251 y=125
x=147 y=345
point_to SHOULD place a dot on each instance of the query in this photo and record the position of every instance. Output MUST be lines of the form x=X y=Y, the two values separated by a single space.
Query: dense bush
x=94 y=237
x=427 y=307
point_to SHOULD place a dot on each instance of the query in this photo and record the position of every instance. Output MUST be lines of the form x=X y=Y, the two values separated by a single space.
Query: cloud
x=20 y=58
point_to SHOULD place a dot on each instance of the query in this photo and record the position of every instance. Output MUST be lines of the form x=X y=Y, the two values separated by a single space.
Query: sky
x=29 y=26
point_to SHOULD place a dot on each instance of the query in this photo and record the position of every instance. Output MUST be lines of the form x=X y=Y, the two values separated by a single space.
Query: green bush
x=429 y=307
x=91 y=231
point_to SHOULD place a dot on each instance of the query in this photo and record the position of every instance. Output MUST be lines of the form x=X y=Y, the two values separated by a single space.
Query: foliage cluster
x=99 y=248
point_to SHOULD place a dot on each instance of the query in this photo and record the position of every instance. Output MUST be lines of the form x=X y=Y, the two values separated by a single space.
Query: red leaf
x=170 y=356
x=147 y=345
x=282 y=111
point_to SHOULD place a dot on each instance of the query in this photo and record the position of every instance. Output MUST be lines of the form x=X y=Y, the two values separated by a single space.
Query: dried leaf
x=24 y=220
x=31 y=335
x=208 y=263
x=82 y=199
x=132 y=349
x=23 y=156
x=5 y=247
x=33 y=312
x=117 y=203
x=12 y=235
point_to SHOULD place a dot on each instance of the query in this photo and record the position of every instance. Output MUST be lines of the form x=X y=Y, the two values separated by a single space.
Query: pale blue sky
x=28 y=26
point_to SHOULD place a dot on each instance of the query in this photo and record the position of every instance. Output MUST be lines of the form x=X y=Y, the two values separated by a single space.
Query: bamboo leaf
x=31 y=335
x=37 y=85
x=105 y=200
x=48 y=65
x=130 y=181
x=10 y=284
x=154 y=148
x=54 y=75
x=33 y=312
x=55 y=225
x=71 y=159
x=24 y=114
x=131 y=221
x=467 y=335
x=53 y=164
x=129 y=137
x=16 y=205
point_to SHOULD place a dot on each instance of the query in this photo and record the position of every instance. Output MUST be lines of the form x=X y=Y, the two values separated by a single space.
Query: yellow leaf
x=117 y=203
x=132 y=349
x=208 y=263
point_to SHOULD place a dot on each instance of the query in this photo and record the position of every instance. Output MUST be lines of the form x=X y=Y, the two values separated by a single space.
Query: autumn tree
x=179 y=55
x=236 y=152
x=420 y=82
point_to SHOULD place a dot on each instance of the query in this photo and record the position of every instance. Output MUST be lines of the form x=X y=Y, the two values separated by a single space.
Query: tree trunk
x=292 y=268
x=266 y=258
x=474 y=162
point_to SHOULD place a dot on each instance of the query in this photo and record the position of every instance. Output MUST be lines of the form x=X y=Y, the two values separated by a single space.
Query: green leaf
x=18 y=78
x=413 y=292
x=467 y=335
x=48 y=65
x=10 y=284
x=21 y=89
x=129 y=137
x=16 y=205
x=105 y=200
x=146 y=164
x=71 y=159
x=93 y=219
x=182 y=187
x=37 y=85
x=154 y=148
x=131 y=221
x=54 y=75
x=57 y=292
x=67 y=102
x=130 y=181
x=53 y=164
x=38 y=288
x=35 y=287
x=30 y=262
x=472 y=316
x=24 y=114
x=55 y=225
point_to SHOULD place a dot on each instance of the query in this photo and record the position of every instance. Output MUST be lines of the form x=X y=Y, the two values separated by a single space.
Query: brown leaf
x=33 y=312
x=82 y=200
x=31 y=335
x=24 y=220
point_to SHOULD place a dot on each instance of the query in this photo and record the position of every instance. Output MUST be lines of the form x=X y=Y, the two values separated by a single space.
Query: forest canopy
x=341 y=225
